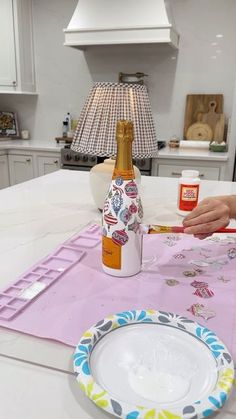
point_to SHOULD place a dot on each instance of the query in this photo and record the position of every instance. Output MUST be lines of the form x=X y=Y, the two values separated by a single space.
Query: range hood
x=110 y=22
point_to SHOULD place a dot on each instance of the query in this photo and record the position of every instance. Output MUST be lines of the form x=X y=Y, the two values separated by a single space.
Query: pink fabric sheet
x=83 y=295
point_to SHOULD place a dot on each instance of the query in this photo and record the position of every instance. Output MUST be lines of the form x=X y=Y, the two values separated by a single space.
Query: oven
x=76 y=161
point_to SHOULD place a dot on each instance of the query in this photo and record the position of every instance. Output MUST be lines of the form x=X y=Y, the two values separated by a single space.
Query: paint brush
x=159 y=229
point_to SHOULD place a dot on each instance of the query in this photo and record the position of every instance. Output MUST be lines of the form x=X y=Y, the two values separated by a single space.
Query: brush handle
x=159 y=229
x=178 y=229
x=226 y=230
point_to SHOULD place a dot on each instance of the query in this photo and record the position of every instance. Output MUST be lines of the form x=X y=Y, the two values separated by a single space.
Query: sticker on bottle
x=111 y=253
x=120 y=237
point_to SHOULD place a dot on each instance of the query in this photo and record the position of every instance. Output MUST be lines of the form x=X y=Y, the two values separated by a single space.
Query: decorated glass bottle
x=122 y=212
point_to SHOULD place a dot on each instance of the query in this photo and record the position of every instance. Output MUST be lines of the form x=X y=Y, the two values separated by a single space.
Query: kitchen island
x=36 y=216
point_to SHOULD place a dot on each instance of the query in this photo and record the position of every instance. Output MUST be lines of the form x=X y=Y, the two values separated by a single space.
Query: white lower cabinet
x=4 y=173
x=24 y=166
x=21 y=168
x=47 y=165
x=209 y=173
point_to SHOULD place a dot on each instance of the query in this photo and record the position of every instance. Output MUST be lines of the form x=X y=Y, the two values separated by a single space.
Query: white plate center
x=142 y=362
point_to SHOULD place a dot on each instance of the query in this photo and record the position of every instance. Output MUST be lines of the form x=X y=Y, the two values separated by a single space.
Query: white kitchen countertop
x=191 y=153
x=36 y=216
x=164 y=153
x=31 y=145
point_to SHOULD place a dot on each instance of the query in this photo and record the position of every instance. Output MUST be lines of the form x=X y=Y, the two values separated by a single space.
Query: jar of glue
x=188 y=192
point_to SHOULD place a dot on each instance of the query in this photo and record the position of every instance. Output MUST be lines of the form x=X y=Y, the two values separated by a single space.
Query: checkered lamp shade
x=106 y=104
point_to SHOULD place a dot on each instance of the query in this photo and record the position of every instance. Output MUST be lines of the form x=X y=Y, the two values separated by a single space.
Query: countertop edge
x=163 y=154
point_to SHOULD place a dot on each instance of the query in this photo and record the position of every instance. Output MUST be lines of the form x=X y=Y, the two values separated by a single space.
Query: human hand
x=210 y=215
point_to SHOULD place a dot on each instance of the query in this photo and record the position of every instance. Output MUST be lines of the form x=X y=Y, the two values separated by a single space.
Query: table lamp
x=96 y=130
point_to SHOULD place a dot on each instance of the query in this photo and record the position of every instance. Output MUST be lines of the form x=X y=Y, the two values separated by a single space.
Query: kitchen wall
x=203 y=64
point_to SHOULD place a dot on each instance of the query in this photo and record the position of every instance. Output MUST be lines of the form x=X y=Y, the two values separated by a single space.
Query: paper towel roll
x=203 y=145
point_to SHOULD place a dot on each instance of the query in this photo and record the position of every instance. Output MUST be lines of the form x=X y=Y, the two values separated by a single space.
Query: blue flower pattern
x=217 y=404
x=131 y=316
x=81 y=358
x=210 y=339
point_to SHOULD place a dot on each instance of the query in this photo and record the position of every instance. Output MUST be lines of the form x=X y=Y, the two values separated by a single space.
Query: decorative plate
x=146 y=364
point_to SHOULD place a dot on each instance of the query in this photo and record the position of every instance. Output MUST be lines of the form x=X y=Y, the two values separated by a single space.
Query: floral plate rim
x=199 y=409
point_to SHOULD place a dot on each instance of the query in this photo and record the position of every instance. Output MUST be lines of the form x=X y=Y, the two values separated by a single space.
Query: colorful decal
x=203 y=293
x=189 y=274
x=132 y=208
x=110 y=194
x=117 y=188
x=140 y=208
x=199 y=310
x=125 y=216
x=215 y=239
x=120 y=237
x=199 y=284
x=223 y=279
x=119 y=181
x=201 y=263
x=179 y=256
x=199 y=271
x=110 y=220
x=215 y=264
x=232 y=253
x=131 y=189
x=172 y=282
x=171 y=240
x=106 y=206
x=116 y=202
x=135 y=226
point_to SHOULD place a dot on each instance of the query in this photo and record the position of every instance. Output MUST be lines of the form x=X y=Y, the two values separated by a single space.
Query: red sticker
x=199 y=310
x=204 y=293
x=199 y=284
x=120 y=237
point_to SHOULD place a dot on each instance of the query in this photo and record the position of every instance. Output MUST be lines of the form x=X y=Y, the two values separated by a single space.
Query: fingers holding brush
x=210 y=215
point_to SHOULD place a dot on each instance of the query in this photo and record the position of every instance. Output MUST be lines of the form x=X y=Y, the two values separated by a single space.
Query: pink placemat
x=67 y=292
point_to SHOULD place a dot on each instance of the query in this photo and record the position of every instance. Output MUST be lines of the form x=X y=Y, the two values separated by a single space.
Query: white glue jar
x=188 y=194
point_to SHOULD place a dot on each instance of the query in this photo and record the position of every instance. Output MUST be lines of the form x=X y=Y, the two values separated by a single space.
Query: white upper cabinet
x=7 y=45
x=17 y=73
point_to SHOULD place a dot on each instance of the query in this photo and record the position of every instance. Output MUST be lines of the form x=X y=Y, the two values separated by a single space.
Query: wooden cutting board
x=197 y=105
x=199 y=131
x=215 y=120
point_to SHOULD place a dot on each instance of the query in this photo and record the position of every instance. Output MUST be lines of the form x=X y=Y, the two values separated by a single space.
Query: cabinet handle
x=55 y=161
x=28 y=160
x=179 y=174
x=175 y=174
x=14 y=83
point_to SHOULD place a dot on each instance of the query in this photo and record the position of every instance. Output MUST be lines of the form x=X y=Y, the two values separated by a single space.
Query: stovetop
x=70 y=159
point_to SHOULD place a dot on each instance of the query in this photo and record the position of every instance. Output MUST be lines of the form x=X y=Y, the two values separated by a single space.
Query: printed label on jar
x=188 y=197
x=111 y=253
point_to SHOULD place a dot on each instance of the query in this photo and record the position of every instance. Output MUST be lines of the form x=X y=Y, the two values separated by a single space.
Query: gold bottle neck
x=124 y=164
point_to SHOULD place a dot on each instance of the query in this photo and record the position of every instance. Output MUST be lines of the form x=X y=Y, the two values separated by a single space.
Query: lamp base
x=100 y=180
